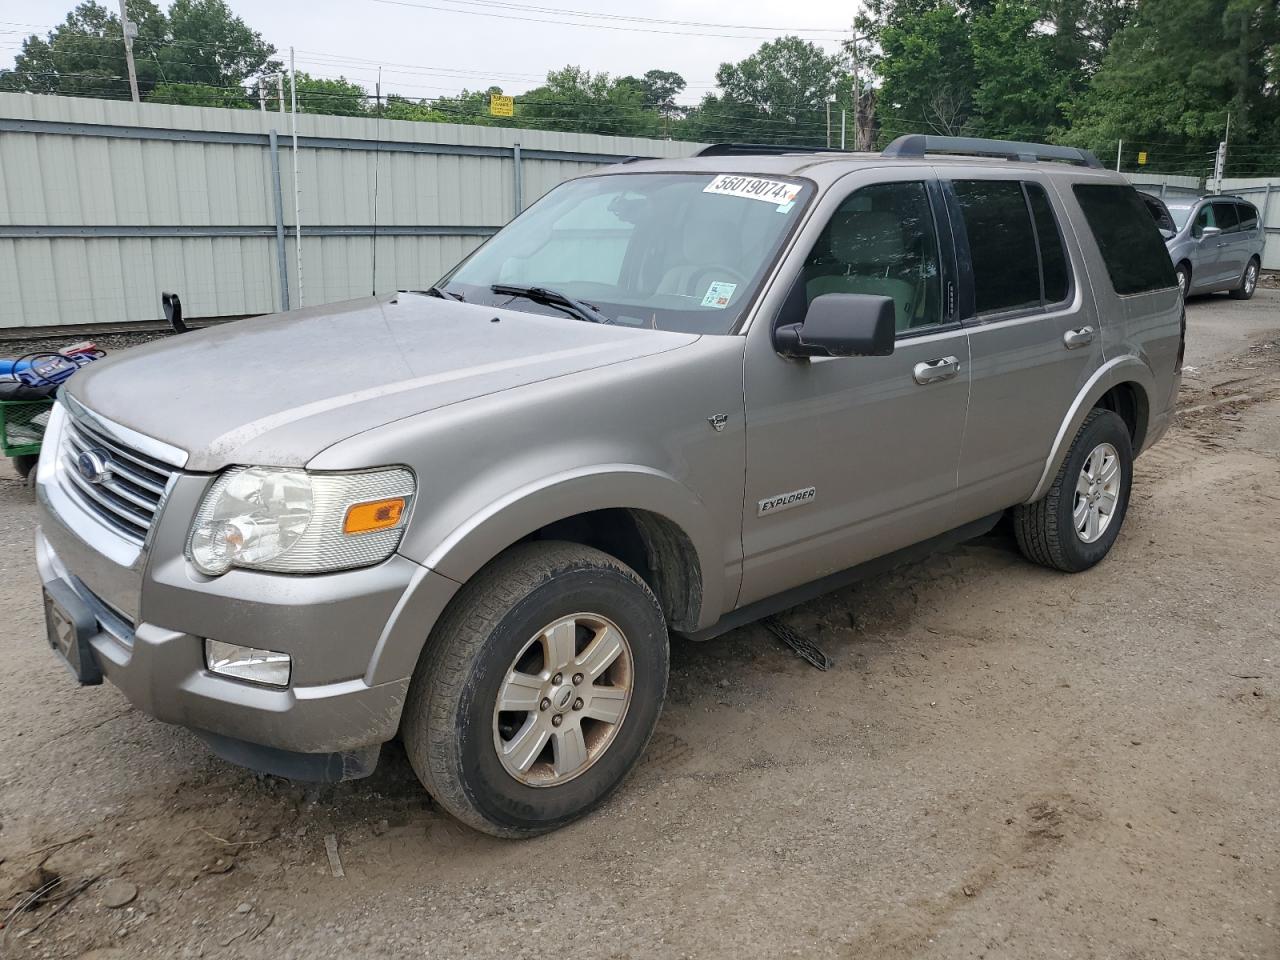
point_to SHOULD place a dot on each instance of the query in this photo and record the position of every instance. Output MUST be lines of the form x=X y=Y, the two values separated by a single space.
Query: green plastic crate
x=22 y=424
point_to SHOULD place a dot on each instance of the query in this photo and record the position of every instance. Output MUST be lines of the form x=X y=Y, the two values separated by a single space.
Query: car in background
x=1215 y=243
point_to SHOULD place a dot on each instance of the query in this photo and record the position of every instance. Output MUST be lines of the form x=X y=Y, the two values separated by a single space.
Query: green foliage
x=199 y=95
x=576 y=100
x=197 y=42
x=925 y=65
x=1160 y=74
x=1020 y=85
x=338 y=97
x=776 y=95
x=1170 y=78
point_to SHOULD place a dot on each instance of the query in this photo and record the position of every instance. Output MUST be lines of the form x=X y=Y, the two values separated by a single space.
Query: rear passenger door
x=1033 y=333
x=1231 y=242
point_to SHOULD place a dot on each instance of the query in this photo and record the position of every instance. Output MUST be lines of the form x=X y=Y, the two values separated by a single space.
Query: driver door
x=852 y=458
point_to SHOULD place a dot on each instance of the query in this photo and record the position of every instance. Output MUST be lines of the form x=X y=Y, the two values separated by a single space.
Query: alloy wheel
x=1097 y=493
x=563 y=700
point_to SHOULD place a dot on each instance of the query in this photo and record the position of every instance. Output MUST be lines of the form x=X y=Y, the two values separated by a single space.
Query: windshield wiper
x=554 y=298
x=441 y=292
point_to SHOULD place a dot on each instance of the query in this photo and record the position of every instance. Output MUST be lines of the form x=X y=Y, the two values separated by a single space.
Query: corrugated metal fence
x=1256 y=191
x=104 y=204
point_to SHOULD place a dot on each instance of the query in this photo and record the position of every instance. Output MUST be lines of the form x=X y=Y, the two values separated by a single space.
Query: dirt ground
x=1004 y=762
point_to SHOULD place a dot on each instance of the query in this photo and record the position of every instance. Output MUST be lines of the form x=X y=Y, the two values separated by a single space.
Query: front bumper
x=162 y=672
x=354 y=637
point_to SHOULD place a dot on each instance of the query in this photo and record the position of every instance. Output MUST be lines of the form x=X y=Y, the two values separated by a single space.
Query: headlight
x=291 y=521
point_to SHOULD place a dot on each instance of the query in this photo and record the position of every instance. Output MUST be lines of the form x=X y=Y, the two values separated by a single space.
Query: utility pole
x=130 y=30
x=377 y=91
x=828 y=124
x=842 y=116
x=297 y=184
x=857 y=97
x=1119 y=147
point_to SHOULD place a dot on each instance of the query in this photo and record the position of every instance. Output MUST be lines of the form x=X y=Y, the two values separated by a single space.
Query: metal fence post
x=281 y=260
x=519 y=179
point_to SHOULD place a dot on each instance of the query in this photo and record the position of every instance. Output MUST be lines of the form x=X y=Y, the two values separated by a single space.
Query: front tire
x=1248 y=283
x=539 y=689
x=1075 y=524
x=1184 y=279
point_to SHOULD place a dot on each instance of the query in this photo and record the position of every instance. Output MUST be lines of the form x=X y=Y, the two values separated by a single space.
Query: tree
x=925 y=64
x=338 y=97
x=84 y=55
x=206 y=43
x=1020 y=83
x=471 y=106
x=199 y=95
x=197 y=42
x=1171 y=76
x=776 y=95
x=578 y=100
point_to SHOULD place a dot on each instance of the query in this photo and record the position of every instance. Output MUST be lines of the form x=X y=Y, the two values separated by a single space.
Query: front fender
x=1124 y=369
x=481 y=536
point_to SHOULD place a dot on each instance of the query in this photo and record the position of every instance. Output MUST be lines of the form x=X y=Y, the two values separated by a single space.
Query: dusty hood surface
x=277 y=390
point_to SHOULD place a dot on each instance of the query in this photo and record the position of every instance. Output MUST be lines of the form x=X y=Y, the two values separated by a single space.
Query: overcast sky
x=429 y=51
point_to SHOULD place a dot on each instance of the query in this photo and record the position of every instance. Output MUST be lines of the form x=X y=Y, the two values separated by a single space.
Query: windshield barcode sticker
x=777 y=192
x=719 y=294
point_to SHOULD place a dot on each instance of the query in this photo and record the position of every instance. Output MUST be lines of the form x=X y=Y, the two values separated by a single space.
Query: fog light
x=247 y=663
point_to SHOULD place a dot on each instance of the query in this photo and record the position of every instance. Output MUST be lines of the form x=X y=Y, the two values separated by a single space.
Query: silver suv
x=1215 y=243
x=670 y=398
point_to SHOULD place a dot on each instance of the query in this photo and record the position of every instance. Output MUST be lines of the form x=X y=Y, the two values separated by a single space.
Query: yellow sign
x=500 y=106
x=1142 y=156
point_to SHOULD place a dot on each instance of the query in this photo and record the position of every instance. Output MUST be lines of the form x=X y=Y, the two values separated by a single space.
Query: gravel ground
x=1004 y=762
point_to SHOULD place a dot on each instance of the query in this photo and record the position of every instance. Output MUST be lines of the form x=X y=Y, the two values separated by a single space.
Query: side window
x=881 y=241
x=1053 y=256
x=1136 y=258
x=1228 y=219
x=1248 y=216
x=1002 y=244
x=1204 y=218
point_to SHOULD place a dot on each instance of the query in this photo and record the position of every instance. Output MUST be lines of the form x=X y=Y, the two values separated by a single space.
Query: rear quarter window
x=1248 y=216
x=1135 y=255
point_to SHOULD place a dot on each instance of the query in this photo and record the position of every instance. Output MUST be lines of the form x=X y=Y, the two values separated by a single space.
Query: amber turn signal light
x=378 y=515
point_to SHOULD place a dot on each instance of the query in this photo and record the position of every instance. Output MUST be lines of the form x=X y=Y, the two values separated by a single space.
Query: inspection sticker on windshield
x=719 y=294
x=777 y=192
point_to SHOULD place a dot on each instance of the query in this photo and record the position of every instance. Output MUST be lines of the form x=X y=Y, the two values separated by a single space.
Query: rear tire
x=1075 y=524
x=502 y=643
x=1248 y=282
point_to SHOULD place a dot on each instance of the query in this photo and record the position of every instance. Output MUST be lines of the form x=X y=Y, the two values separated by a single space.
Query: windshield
x=681 y=252
x=1180 y=215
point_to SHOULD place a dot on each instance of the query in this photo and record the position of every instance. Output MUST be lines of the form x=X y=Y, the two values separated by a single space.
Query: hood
x=277 y=390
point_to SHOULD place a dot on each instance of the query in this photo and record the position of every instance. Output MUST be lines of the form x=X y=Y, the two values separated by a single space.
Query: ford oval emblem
x=94 y=465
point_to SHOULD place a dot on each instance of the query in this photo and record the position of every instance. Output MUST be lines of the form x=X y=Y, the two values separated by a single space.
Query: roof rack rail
x=918 y=144
x=757 y=149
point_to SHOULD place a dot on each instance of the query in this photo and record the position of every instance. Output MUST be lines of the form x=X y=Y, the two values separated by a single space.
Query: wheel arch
x=645 y=518
x=1123 y=384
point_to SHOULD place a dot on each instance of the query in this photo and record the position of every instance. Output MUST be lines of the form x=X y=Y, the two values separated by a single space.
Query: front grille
x=127 y=500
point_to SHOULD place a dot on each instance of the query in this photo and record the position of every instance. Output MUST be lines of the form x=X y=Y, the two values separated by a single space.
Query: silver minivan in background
x=1215 y=244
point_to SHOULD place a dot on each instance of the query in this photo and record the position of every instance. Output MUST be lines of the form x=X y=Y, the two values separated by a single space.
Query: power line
x=624 y=17
x=571 y=23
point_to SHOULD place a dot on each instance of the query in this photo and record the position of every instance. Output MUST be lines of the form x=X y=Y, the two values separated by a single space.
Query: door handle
x=1077 y=338
x=931 y=371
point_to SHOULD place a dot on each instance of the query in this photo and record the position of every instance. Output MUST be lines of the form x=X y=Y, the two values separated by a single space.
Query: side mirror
x=841 y=325
x=1207 y=233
